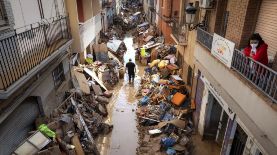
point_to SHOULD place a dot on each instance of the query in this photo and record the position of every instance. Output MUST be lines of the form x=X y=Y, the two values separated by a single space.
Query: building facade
x=35 y=45
x=87 y=20
x=163 y=14
x=235 y=105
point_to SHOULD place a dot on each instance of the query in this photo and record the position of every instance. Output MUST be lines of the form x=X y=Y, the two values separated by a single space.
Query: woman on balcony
x=257 y=49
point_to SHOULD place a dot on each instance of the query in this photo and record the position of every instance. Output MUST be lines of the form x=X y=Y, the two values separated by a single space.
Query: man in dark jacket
x=131 y=67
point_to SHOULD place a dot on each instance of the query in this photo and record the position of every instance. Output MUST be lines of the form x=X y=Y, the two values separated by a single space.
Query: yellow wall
x=71 y=6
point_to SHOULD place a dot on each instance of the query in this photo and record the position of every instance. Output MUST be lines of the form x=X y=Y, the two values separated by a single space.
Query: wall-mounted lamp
x=190 y=13
x=190 y=17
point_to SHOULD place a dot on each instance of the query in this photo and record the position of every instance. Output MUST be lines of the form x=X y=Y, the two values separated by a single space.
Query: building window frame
x=58 y=75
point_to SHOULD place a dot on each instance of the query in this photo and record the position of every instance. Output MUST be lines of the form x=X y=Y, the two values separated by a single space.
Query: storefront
x=217 y=122
x=16 y=127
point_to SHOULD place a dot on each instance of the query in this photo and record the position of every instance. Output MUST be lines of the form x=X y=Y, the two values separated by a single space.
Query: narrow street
x=123 y=140
x=203 y=77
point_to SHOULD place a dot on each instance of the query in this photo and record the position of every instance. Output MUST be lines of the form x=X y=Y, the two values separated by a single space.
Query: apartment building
x=87 y=19
x=149 y=7
x=235 y=104
x=163 y=13
x=35 y=44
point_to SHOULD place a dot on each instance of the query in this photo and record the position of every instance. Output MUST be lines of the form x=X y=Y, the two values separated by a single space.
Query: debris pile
x=164 y=109
x=77 y=122
x=106 y=65
x=117 y=47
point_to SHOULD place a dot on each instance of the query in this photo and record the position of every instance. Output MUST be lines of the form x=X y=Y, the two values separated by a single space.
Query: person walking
x=131 y=67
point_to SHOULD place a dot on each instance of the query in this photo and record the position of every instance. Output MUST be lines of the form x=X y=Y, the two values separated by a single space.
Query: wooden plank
x=93 y=75
x=82 y=81
x=78 y=147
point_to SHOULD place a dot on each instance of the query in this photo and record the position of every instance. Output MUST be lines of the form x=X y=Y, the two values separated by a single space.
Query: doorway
x=215 y=121
x=239 y=142
x=222 y=128
x=212 y=118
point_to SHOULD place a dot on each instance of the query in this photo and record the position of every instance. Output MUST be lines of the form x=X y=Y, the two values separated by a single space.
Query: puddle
x=124 y=137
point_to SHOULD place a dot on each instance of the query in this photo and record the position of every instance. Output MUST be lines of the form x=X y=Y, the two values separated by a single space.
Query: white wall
x=49 y=9
x=251 y=108
x=27 y=12
x=89 y=30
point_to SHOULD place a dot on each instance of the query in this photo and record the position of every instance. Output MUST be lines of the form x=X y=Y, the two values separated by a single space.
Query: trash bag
x=167 y=142
x=155 y=62
x=46 y=131
x=170 y=151
x=163 y=64
x=144 y=101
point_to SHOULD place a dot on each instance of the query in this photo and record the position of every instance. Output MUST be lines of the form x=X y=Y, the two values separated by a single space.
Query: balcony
x=89 y=30
x=24 y=51
x=179 y=34
x=259 y=75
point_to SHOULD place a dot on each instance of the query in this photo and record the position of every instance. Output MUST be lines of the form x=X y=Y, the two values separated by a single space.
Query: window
x=58 y=75
x=176 y=13
x=3 y=18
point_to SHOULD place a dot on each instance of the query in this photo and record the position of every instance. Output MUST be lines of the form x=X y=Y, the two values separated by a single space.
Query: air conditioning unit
x=206 y=4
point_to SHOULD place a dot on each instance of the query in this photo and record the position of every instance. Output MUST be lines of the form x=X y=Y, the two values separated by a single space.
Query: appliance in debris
x=33 y=144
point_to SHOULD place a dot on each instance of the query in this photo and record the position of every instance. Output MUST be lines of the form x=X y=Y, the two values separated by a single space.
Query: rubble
x=165 y=108
x=78 y=121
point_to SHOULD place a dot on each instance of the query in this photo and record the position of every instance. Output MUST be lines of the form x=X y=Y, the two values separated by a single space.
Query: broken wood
x=78 y=147
x=82 y=81
x=85 y=127
x=93 y=75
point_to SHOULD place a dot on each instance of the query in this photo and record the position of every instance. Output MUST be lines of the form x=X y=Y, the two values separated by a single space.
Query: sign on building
x=223 y=49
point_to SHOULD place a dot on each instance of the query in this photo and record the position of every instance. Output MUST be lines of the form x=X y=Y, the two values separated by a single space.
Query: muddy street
x=123 y=140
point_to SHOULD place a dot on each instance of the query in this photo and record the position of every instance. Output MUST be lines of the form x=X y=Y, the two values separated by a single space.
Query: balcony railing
x=22 y=51
x=204 y=38
x=261 y=76
x=179 y=33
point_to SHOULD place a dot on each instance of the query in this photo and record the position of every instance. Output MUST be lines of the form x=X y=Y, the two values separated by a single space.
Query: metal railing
x=24 y=50
x=261 y=76
x=204 y=38
x=179 y=33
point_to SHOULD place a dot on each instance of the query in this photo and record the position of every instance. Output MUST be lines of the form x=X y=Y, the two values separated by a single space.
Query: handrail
x=258 y=74
x=204 y=38
x=22 y=51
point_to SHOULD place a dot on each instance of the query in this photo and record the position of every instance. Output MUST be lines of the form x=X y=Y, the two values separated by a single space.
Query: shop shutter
x=14 y=129
x=266 y=24
x=198 y=99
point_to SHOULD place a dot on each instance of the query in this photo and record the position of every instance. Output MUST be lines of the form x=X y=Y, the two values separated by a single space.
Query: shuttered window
x=267 y=24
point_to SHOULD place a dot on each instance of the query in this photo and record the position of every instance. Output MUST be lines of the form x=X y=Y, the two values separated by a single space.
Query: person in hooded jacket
x=257 y=49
